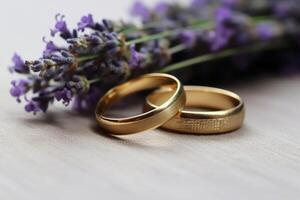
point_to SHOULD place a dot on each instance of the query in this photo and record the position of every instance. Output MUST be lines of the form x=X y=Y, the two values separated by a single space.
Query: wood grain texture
x=64 y=156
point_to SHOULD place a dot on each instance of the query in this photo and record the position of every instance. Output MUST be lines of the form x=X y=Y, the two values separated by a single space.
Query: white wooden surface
x=63 y=156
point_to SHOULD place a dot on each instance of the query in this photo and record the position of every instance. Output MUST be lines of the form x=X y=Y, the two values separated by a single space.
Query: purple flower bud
x=224 y=28
x=112 y=44
x=32 y=106
x=161 y=8
x=19 y=88
x=86 y=22
x=89 y=101
x=61 y=59
x=99 y=58
x=221 y=38
x=283 y=9
x=223 y=14
x=136 y=59
x=199 y=3
x=231 y=3
x=108 y=25
x=265 y=31
x=50 y=48
x=188 y=38
x=78 y=85
x=65 y=95
x=61 y=27
x=37 y=66
x=140 y=10
x=94 y=39
x=19 y=65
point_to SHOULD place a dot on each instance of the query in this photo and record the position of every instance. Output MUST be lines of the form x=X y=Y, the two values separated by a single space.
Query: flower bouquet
x=202 y=42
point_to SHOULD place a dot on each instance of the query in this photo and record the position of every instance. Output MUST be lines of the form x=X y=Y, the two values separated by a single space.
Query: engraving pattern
x=198 y=125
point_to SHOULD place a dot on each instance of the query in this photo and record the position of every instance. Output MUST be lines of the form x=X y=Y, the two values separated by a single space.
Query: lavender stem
x=203 y=24
x=220 y=55
x=177 y=48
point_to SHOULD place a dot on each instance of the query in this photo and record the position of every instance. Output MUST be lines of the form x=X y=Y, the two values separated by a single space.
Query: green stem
x=257 y=19
x=94 y=80
x=195 y=25
x=86 y=58
x=204 y=24
x=219 y=55
x=177 y=48
x=150 y=37
x=157 y=23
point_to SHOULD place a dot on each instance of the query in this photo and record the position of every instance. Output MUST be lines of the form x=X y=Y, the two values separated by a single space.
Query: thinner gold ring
x=148 y=120
x=224 y=110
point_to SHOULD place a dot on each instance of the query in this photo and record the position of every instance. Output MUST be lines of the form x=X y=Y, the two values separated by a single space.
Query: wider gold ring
x=227 y=110
x=147 y=120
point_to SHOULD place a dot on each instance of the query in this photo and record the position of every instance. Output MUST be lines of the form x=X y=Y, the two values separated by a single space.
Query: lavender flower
x=283 y=9
x=139 y=9
x=19 y=88
x=87 y=101
x=232 y=27
x=231 y=3
x=19 y=65
x=265 y=31
x=50 y=48
x=61 y=28
x=199 y=3
x=162 y=8
x=188 y=38
x=136 y=58
x=97 y=55
x=224 y=28
x=33 y=107
x=86 y=22
x=65 y=95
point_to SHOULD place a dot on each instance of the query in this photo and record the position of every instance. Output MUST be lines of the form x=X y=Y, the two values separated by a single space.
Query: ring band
x=147 y=120
x=227 y=115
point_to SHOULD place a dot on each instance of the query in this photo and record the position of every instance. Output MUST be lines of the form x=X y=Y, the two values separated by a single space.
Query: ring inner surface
x=131 y=87
x=198 y=99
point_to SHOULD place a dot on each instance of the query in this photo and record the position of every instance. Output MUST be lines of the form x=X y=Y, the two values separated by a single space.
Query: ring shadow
x=51 y=118
x=48 y=118
x=121 y=140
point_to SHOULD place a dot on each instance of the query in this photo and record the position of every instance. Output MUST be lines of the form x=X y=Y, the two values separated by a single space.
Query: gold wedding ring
x=147 y=120
x=226 y=110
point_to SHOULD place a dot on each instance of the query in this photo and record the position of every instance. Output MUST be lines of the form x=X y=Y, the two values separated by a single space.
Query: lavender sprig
x=99 y=55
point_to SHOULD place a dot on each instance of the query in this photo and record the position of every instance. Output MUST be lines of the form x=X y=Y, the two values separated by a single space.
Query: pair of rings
x=168 y=107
